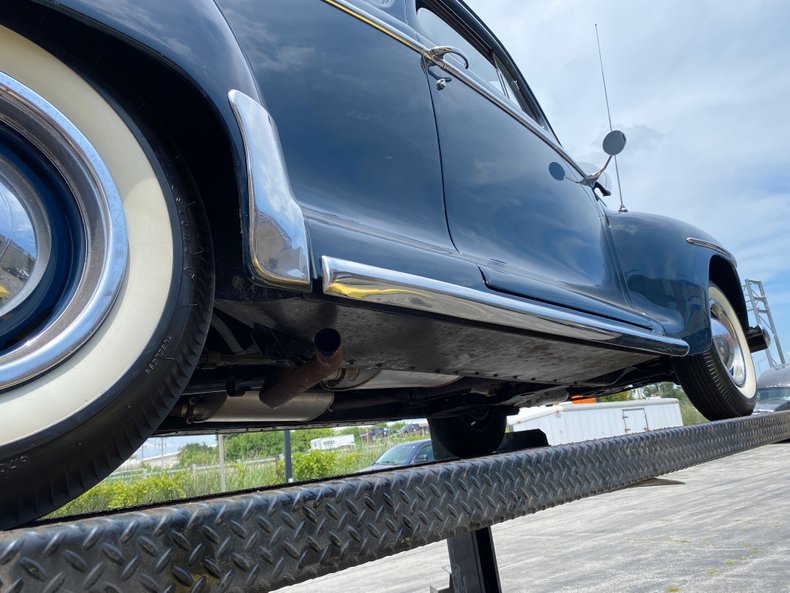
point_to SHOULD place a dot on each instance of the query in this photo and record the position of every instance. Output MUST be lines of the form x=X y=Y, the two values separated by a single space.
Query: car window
x=441 y=33
x=485 y=66
x=425 y=454
x=514 y=94
x=765 y=393
x=398 y=455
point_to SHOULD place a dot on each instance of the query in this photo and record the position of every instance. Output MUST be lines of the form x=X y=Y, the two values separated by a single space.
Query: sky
x=701 y=90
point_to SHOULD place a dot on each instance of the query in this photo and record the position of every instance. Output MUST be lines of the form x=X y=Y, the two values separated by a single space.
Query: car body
x=18 y=273
x=349 y=210
x=410 y=453
x=773 y=390
x=412 y=429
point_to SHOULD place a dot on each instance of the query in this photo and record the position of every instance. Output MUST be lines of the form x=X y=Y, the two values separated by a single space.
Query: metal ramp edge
x=255 y=542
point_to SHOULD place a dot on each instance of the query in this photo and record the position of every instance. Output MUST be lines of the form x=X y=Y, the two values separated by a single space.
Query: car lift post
x=473 y=565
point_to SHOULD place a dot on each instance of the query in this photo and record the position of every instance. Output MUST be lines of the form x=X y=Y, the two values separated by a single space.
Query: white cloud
x=701 y=90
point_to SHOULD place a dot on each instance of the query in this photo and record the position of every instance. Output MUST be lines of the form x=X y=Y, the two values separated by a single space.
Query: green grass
x=157 y=485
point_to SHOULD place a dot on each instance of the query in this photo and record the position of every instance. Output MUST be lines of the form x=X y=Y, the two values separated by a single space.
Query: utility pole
x=289 y=470
x=221 y=445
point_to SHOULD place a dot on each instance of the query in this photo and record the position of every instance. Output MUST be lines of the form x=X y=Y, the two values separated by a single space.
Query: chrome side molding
x=709 y=245
x=369 y=284
x=277 y=236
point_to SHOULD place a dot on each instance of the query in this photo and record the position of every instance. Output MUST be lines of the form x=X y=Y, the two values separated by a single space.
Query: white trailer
x=571 y=423
x=335 y=442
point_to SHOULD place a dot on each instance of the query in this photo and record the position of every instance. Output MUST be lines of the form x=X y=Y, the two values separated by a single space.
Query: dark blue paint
x=666 y=276
x=505 y=208
x=355 y=118
x=191 y=35
x=193 y=38
x=355 y=111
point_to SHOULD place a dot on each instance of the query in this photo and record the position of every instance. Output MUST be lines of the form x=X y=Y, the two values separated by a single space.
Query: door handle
x=439 y=52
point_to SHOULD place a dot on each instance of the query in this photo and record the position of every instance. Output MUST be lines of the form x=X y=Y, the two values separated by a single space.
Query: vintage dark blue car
x=275 y=213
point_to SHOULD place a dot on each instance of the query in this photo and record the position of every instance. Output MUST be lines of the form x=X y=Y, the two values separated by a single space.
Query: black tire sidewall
x=462 y=439
x=708 y=384
x=42 y=472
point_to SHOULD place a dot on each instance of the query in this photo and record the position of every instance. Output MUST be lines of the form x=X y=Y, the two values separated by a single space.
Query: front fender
x=666 y=275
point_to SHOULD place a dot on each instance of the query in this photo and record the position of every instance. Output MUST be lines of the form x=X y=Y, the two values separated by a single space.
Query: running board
x=369 y=284
x=261 y=541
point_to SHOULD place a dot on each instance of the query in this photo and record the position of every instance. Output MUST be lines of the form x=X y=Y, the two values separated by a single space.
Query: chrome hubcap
x=727 y=345
x=92 y=254
x=25 y=239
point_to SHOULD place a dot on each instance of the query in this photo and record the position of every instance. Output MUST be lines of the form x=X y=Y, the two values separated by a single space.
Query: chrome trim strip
x=369 y=284
x=713 y=246
x=277 y=235
x=425 y=51
x=102 y=215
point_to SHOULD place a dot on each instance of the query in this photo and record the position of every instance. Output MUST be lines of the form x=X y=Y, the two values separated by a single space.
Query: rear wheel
x=109 y=280
x=471 y=434
x=721 y=382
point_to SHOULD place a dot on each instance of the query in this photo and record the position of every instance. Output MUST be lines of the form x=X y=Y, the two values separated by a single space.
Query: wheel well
x=170 y=107
x=723 y=275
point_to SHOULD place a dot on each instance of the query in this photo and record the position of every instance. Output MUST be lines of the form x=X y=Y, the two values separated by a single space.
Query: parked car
x=19 y=273
x=773 y=391
x=410 y=453
x=411 y=428
x=322 y=212
x=377 y=432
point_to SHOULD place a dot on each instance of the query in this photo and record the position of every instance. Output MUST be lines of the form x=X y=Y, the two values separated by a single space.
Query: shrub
x=314 y=464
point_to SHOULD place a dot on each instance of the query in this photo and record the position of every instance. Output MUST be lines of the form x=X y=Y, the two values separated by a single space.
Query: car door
x=532 y=234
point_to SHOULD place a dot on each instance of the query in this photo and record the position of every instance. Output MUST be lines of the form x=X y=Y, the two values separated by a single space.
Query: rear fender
x=179 y=59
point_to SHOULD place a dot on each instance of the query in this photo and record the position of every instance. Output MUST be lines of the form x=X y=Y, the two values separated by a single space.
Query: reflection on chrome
x=99 y=275
x=370 y=284
x=277 y=234
x=25 y=240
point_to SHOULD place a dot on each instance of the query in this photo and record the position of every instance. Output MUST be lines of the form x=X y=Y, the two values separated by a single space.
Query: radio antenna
x=609 y=115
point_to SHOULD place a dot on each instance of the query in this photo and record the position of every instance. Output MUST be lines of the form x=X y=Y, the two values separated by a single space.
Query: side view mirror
x=613 y=143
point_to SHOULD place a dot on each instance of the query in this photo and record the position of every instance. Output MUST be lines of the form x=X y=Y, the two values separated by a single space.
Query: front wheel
x=109 y=278
x=470 y=435
x=721 y=382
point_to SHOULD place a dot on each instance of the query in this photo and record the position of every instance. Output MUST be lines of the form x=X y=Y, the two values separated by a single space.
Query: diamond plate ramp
x=257 y=542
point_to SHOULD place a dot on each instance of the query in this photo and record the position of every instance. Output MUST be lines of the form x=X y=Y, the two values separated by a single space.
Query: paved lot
x=722 y=527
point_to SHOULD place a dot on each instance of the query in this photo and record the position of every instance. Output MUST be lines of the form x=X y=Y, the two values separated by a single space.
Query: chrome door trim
x=713 y=246
x=277 y=235
x=369 y=284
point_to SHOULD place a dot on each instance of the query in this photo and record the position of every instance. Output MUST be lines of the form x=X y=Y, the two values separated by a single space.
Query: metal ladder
x=757 y=305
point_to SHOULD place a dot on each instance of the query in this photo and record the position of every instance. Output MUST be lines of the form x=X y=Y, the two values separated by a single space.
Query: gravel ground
x=722 y=527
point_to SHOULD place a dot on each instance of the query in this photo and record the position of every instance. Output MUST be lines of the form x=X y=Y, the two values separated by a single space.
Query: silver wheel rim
x=104 y=229
x=25 y=238
x=727 y=343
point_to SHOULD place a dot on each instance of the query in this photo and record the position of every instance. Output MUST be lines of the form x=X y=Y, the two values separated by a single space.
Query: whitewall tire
x=67 y=422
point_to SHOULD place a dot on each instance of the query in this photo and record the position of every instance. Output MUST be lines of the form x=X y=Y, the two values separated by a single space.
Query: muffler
x=328 y=358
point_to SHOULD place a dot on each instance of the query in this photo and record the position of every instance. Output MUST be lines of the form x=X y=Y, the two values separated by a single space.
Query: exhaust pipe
x=328 y=358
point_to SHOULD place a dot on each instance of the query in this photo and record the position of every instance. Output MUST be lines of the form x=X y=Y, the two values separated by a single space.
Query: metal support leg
x=472 y=556
x=473 y=563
